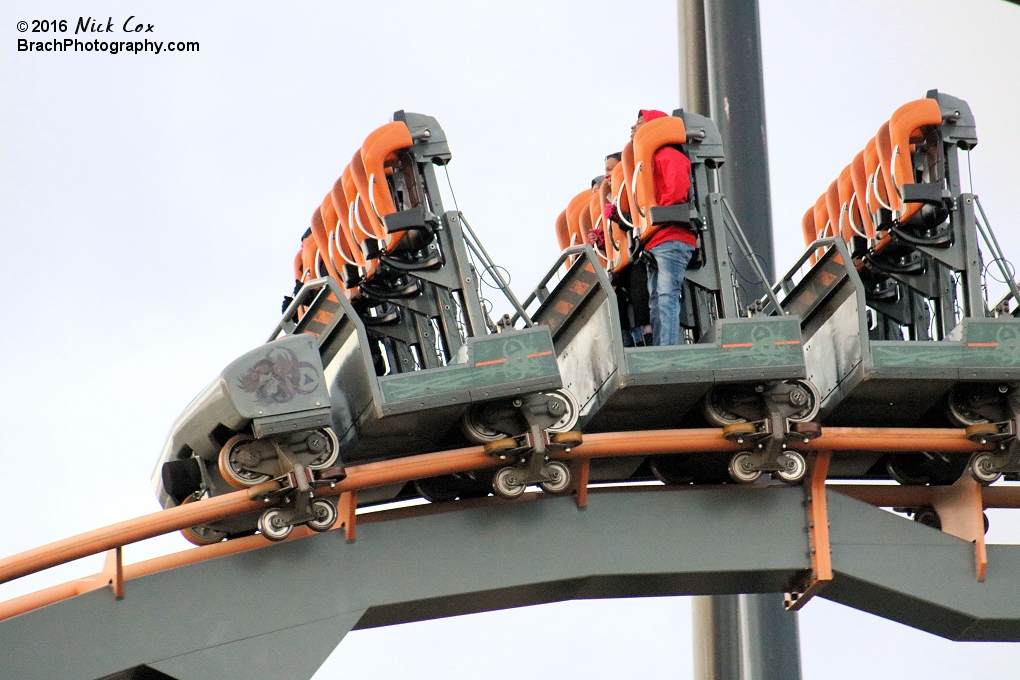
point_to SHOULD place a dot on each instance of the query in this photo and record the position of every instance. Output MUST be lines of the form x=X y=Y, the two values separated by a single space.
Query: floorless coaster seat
x=886 y=383
x=595 y=221
x=360 y=239
x=344 y=240
x=648 y=140
x=859 y=178
x=577 y=205
x=387 y=175
x=619 y=236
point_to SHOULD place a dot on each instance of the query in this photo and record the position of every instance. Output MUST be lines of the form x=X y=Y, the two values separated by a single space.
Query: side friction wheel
x=982 y=431
x=272 y=525
x=982 y=468
x=738 y=430
x=499 y=446
x=559 y=477
x=795 y=468
x=507 y=483
x=570 y=414
x=742 y=468
x=572 y=438
x=236 y=458
x=325 y=515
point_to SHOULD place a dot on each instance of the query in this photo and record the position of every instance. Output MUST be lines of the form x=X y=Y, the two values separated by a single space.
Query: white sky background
x=150 y=208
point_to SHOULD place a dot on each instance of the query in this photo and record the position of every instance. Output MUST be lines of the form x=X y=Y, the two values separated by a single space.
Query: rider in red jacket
x=670 y=248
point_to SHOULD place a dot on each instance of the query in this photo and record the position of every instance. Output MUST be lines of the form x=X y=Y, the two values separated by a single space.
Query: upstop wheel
x=795 y=468
x=982 y=468
x=273 y=526
x=325 y=515
x=742 y=468
x=507 y=483
x=559 y=477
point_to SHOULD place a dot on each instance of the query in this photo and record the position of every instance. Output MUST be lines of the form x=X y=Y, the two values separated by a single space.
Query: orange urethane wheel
x=201 y=535
x=499 y=446
x=738 y=430
x=239 y=479
x=567 y=438
x=982 y=430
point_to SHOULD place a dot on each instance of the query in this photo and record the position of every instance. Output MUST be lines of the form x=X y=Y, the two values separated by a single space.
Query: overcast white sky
x=150 y=207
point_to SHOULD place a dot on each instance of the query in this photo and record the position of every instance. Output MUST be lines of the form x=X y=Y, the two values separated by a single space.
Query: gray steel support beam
x=918 y=576
x=250 y=614
x=280 y=610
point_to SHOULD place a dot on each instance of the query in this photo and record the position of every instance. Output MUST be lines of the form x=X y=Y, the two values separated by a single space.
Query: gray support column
x=737 y=98
x=716 y=638
x=736 y=637
x=693 y=56
x=745 y=637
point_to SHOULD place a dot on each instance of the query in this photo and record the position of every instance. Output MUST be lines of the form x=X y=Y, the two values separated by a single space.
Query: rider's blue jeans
x=666 y=272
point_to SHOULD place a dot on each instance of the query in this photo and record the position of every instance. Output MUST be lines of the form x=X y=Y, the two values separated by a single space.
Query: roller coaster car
x=746 y=375
x=496 y=388
x=896 y=330
x=311 y=398
x=395 y=360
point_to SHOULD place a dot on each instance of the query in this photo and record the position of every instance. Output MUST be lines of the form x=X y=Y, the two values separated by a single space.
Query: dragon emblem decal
x=279 y=377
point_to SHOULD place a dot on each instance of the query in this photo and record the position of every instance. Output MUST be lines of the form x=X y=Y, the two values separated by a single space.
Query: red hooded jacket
x=672 y=177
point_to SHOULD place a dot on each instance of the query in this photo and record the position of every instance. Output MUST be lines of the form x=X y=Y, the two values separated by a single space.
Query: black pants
x=632 y=296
